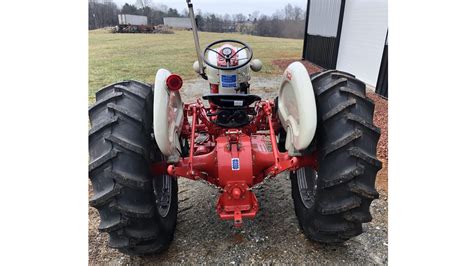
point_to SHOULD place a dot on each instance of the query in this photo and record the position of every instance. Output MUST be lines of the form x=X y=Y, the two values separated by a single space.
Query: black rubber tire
x=346 y=143
x=121 y=149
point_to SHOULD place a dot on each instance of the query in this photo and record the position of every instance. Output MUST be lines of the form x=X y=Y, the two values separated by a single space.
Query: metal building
x=351 y=36
x=174 y=22
x=126 y=19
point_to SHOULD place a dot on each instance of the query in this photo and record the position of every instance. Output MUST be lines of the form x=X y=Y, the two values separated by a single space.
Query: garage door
x=363 y=33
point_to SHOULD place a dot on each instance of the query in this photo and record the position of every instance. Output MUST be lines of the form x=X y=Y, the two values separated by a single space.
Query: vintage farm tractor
x=144 y=137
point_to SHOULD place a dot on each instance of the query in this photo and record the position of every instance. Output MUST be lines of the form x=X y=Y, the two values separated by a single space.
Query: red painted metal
x=235 y=175
x=221 y=59
x=236 y=206
x=214 y=88
x=268 y=111
x=193 y=136
x=174 y=82
x=234 y=159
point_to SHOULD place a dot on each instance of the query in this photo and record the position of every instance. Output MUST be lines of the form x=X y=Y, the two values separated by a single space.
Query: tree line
x=284 y=23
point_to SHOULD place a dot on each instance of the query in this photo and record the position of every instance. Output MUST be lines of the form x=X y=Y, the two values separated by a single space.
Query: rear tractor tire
x=136 y=209
x=332 y=204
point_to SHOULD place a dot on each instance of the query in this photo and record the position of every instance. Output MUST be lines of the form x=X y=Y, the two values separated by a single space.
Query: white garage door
x=364 y=29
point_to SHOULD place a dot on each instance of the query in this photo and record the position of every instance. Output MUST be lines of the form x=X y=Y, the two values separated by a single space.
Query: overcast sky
x=227 y=6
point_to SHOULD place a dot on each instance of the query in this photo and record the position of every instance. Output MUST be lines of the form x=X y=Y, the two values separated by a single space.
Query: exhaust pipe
x=196 y=39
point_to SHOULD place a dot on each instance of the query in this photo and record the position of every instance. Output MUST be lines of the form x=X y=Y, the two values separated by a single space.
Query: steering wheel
x=228 y=54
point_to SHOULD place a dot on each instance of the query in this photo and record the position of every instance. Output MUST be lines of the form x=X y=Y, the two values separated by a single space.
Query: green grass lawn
x=116 y=57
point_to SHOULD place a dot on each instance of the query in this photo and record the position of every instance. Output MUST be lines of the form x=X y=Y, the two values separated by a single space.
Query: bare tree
x=279 y=15
x=239 y=17
x=158 y=6
x=143 y=3
x=185 y=12
x=254 y=15
x=102 y=13
x=298 y=13
x=289 y=12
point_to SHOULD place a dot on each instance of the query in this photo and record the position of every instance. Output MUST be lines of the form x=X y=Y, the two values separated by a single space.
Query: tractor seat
x=231 y=100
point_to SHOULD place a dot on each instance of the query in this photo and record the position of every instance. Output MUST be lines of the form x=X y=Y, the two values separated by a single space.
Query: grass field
x=115 y=57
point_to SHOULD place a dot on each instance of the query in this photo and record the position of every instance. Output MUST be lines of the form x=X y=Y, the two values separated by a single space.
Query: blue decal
x=229 y=81
x=235 y=164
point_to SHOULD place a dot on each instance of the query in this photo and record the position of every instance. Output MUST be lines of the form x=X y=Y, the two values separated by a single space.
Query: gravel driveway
x=272 y=237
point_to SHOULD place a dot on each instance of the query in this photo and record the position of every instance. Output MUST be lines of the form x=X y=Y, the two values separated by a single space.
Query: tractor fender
x=167 y=117
x=297 y=108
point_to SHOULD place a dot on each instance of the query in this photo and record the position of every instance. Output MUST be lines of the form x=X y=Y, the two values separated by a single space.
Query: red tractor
x=144 y=137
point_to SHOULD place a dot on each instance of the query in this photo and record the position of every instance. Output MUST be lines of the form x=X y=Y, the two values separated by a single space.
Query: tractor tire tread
x=326 y=208
x=346 y=140
x=340 y=143
x=155 y=247
x=125 y=144
x=125 y=112
x=103 y=125
x=112 y=224
x=141 y=234
x=363 y=122
x=331 y=85
x=119 y=242
x=133 y=181
x=132 y=90
x=357 y=94
x=338 y=109
x=336 y=227
x=363 y=190
x=106 y=158
x=105 y=196
x=121 y=148
x=358 y=216
x=360 y=154
x=343 y=177
x=108 y=98
x=133 y=210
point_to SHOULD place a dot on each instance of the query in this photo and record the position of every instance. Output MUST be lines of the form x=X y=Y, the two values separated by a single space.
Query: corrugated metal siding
x=363 y=38
x=125 y=19
x=323 y=17
x=382 y=80
x=321 y=51
x=349 y=36
x=322 y=32
x=177 y=22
